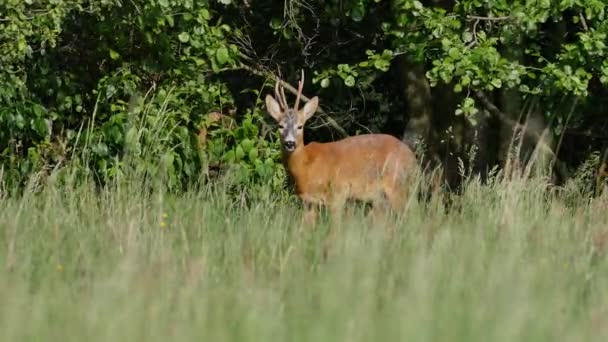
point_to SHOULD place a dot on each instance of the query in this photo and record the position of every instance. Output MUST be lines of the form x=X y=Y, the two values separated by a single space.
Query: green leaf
x=469 y=102
x=276 y=23
x=40 y=126
x=387 y=54
x=253 y=154
x=454 y=53
x=467 y=37
x=496 y=82
x=325 y=83
x=222 y=56
x=19 y=121
x=229 y=156
x=21 y=44
x=349 y=81
x=239 y=153
x=382 y=64
x=101 y=149
x=184 y=37
x=170 y=20
x=247 y=144
x=114 y=55
x=358 y=13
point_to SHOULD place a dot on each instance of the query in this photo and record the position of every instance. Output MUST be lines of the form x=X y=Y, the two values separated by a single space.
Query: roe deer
x=370 y=167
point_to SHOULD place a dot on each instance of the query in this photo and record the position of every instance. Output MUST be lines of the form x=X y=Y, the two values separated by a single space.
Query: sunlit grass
x=505 y=262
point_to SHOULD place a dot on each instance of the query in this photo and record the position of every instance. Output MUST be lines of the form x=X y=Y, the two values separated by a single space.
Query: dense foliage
x=107 y=88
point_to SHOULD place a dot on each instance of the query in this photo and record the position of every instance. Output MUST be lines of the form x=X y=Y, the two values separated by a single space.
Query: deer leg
x=397 y=192
x=335 y=206
x=396 y=199
x=310 y=214
x=378 y=211
x=378 y=216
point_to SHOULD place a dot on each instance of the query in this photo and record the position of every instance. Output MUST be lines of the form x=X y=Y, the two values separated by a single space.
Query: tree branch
x=483 y=18
x=537 y=138
x=583 y=21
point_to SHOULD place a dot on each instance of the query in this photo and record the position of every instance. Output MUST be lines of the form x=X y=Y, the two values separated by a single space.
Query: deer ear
x=273 y=108
x=310 y=108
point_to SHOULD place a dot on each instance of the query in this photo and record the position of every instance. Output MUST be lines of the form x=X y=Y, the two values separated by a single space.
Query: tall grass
x=506 y=261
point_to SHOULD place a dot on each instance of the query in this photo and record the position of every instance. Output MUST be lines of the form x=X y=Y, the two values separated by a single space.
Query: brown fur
x=365 y=167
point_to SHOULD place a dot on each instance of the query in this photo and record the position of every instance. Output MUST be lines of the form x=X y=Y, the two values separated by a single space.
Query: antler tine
x=300 y=87
x=278 y=95
x=284 y=98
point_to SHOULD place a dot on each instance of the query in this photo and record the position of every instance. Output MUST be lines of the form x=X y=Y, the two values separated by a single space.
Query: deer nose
x=290 y=145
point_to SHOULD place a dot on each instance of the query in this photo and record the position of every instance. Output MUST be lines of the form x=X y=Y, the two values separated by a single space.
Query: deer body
x=370 y=167
x=366 y=167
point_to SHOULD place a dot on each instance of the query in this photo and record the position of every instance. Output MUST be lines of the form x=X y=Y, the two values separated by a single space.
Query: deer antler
x=300 y=86
x=277 y=94
x=283 y=97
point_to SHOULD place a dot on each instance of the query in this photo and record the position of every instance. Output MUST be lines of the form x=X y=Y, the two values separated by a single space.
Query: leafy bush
x=117 y=87
x=120 y=88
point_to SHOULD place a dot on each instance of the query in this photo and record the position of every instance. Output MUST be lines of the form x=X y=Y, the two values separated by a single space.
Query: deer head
x=291 y=120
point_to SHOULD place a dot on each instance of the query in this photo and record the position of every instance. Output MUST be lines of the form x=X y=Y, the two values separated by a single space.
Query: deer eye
x=282 y=126
x=300 y=127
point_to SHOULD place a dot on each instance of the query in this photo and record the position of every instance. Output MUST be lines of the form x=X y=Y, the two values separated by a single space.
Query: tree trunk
x=417 y=92
x=483 y=139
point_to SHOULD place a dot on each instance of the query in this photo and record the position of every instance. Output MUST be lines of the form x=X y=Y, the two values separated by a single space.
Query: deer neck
x=294 y=162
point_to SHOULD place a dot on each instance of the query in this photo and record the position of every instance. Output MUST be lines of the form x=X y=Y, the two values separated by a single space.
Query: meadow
x=504 y=261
